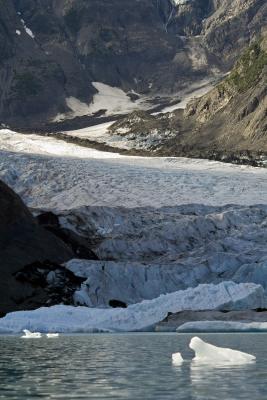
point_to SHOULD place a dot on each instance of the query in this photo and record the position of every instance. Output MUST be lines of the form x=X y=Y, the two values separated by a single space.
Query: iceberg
x=222 y=326
x=208 y=353
x=52 y=335
x=31 y=335
x=137 y=317
x=177 y=359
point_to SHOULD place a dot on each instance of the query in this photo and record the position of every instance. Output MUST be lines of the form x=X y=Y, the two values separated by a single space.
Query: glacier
x=158 y=225
x=137 y=317
x=52 y=174
x=146 y=252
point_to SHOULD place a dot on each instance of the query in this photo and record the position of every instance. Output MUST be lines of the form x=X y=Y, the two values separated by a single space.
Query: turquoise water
x=133 y=366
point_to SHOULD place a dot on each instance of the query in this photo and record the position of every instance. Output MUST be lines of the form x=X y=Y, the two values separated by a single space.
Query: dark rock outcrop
x=52 y=284
x=22 y=242
x=117 y=304
x=121 y=43
x=78 y=244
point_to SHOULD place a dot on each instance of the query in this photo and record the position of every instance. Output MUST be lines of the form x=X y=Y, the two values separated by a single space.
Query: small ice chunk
x=18 y=32
x=31 y=335
x=208 y=353
x=29 y=32
x=52 y=335
x=177 y=358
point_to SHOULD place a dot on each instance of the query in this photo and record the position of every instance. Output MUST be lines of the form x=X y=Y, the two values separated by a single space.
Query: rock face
x=229 y=123
x=78 y=244
x=232 y=116
x=149 y=46
x=22 y=242
x=63 y=46
x=54 y=283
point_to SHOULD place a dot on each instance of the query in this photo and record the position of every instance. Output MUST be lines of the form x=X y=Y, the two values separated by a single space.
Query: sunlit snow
x=112 y=100
x=27 y=30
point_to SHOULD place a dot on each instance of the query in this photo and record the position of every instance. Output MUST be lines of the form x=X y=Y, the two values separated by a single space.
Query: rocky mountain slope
x=229 y=123
x=231 y=119
x=52 y=51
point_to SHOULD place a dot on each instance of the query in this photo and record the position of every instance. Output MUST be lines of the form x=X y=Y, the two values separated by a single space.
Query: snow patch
x=194 y=91
x=180 y=2
x=27 y=30
x=112 y=100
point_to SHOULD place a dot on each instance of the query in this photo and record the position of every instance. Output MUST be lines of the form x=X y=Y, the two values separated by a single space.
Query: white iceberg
x=137 y=317
x=31 y=335
x=208 y=353
x=222 y=326
x=52 y=335
x=177 y=359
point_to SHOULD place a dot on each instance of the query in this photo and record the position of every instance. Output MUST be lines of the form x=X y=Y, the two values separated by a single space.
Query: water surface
x=129 y=367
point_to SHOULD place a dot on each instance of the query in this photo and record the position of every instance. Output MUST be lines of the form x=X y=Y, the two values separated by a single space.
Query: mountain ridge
x=149 y=47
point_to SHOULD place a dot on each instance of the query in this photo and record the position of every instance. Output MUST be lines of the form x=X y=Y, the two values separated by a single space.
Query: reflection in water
x=223 y=378
x=127 y=367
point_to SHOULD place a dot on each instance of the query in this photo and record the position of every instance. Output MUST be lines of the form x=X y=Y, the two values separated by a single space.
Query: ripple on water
x=129 y=367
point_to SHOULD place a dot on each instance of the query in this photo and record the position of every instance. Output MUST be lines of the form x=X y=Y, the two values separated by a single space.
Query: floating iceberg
x=137 y=317
x=52 y=335
x=31 y=335
x=222 y=326
x=208 y=353
x=177 y=358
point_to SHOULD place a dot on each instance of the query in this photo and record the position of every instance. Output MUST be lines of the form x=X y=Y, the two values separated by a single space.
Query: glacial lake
x=128 y=366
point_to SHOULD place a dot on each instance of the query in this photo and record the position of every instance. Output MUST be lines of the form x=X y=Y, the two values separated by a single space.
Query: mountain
x=228 y=123
x=52 y=51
